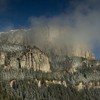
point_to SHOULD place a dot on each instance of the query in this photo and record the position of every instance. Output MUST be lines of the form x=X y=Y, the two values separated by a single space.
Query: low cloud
x=78 y=27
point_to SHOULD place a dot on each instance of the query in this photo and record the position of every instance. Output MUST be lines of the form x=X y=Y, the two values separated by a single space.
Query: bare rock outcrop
x=27 y=58
x=35 y=59
x=82 y=51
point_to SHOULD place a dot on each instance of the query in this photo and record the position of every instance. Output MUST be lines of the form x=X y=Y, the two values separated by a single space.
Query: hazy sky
x=78 y=20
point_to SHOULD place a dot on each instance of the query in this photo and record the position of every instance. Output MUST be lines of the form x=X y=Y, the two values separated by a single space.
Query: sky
x=77 y=20
x=16 y=13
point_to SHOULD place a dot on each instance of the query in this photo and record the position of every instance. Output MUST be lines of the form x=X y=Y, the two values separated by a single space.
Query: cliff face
x=15 y=52
x=25 y=58
x=36 y=59
x=83 y=51
x=47 y=72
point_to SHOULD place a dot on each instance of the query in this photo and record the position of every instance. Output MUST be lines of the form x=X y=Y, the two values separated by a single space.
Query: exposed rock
x=35 y=59
x=80 y=86
x=12 y=83
x=27 y=58
x=2 y=58
x=82 y=51
x=48 y=82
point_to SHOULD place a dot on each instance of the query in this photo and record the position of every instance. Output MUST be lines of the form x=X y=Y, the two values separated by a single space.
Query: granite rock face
x=36 y=59
x=27 y=58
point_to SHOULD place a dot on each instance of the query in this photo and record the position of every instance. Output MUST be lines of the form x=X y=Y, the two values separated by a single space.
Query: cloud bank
x=81 y=26
x=78 y=27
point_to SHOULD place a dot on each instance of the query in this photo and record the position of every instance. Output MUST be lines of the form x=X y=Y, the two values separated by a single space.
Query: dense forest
x=23 y=84
x=24 y=91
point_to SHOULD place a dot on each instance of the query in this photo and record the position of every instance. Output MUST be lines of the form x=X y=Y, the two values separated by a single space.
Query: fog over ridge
x=78 y=28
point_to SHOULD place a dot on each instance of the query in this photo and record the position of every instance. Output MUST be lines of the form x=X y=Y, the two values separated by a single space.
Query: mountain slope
x=46 y=72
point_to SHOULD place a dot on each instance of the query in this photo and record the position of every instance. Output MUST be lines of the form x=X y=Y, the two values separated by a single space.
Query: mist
x=78 y=28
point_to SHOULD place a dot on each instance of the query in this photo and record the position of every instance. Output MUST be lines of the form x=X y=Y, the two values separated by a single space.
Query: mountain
x=30 y=70
x=29 y=37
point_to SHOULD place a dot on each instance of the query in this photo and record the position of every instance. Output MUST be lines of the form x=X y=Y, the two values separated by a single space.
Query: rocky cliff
x=15 y=52
x=13 y=56
x=46 y=73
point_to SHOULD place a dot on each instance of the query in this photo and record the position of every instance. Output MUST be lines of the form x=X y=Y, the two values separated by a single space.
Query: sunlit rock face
x=35 y=59
x=2 y=58
x=82 y=51
x=27 y=58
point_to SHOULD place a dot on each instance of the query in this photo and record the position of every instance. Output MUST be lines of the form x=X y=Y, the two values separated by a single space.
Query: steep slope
x=23 y=57
x=48 y=72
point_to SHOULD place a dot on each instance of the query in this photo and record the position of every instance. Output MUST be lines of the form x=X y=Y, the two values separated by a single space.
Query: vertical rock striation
x=27 y=58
